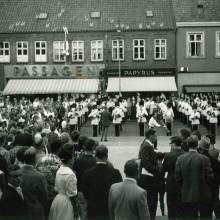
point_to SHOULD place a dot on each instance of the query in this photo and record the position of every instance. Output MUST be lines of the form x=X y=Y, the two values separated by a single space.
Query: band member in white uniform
x=117 y=118
x=141 y=116
x=195 y=119
x=94 y=116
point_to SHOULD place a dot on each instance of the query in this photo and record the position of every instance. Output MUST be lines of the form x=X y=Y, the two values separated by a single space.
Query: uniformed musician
x=141 y=116
x=117 y=118
x=95 y=118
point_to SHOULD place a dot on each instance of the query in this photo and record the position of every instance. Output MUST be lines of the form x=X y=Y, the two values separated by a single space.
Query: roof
x=196 y=10
x=51 y=86
x=145 y=84
x=23 y=15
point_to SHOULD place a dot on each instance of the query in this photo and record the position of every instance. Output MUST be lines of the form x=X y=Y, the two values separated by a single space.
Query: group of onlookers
x=49 y=171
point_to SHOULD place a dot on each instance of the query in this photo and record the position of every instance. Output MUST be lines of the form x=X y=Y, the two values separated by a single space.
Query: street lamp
x=119 y=62
x=66 y=44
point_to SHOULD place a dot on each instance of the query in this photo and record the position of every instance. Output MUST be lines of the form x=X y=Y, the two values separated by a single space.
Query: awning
x=50 y=86
x=142 y=84
x=205 y=88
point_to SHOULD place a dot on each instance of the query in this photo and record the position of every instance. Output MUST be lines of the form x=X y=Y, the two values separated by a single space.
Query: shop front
x=199 y=82
x=141 y=80
x=52 y=79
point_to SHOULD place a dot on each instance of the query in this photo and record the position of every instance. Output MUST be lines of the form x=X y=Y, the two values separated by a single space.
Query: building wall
x=107 y=38
x=201 y=71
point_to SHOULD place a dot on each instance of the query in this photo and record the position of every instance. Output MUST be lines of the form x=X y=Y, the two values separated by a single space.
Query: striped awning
x=142 y=84
x=51 y=86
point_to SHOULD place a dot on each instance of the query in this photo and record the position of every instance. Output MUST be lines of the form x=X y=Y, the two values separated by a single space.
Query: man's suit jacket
x=127 y=201
x=34 y=188
x=83 y=163
x=96 y=184
x=194 y=173
x=106 y=118
x=12 y=206
x=169 y=164
x=148 y=162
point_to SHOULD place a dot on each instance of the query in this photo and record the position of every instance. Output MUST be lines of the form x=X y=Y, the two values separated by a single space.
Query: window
x=4 y=52
x=97 y=50
x=195 y=45
x=139 y=49
x=59 y=51
x=40 y=51
x=78 y=51
x=160 y=49
x=117 y=50
x=22 y=51
x=218 y=44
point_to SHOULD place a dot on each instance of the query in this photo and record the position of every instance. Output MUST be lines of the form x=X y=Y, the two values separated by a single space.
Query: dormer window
x=149 y=13
x=41 y=16
x=95 y=14
x=200 y=8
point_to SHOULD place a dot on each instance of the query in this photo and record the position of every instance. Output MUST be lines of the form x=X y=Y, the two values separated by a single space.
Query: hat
x=204 y=143
x=176 y=140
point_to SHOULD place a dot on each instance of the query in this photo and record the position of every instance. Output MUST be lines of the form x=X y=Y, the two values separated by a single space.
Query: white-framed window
x=59 y=51
x=22 y=51
x=40 y=51
x=97 y=50
x=4 y=52
x=217 y=37
x=117 y=50
x=160 y=49
x=139 y=49
x=77 y=51
x=195 y=44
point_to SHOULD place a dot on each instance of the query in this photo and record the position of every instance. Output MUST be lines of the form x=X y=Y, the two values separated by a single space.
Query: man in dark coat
x=150 y=172
x=204 y=146
x=85 y=161
x=12 y=205
x=172 y=187
x=34 y=187
x=96 y=184
x=194 y=173
x=106 y=119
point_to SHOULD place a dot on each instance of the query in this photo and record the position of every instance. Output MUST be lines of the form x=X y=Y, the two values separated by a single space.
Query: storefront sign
x=53 y=71
x=140 y=72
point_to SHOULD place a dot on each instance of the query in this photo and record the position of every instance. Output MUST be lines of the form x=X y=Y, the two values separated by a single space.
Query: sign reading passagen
x=53 y=71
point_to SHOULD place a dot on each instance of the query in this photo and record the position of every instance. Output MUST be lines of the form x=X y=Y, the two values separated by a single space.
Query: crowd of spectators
x=49 y=170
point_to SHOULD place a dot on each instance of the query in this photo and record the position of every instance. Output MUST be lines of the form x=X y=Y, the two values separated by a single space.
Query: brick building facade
x=33 y=44
x=198 y=45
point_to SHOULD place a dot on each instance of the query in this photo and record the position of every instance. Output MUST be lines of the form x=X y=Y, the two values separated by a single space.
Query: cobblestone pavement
x=127 y=145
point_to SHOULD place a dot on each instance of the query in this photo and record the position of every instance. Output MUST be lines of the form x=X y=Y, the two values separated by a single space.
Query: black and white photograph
x=109 y=109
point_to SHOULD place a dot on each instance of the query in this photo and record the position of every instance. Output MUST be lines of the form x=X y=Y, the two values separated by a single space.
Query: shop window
x=40 y=51
x=59 y=54
x=218 y=43
x=117 y=50
x=77 y=51
x=195 y=45
x=139 y=49
x=97 y=50
x=160 y=49
x=22 y=52
x=4 y=52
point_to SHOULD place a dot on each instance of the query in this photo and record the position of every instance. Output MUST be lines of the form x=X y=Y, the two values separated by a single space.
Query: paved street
x=127 y=145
